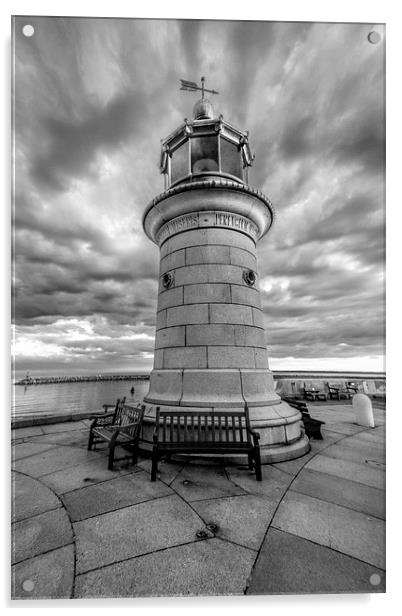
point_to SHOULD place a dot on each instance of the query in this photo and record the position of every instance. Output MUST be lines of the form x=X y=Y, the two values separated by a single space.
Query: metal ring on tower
x=249 y=277
x=167 y=280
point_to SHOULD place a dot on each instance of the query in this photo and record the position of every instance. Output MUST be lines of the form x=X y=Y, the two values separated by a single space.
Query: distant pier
x=47 y=380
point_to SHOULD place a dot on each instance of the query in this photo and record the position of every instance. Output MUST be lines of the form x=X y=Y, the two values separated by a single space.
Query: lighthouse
x=210 y=347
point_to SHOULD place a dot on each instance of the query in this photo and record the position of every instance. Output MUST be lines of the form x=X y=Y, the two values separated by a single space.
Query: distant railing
x=46 y=380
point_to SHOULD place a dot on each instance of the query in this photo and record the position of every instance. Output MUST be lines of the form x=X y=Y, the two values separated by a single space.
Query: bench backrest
x=335 y=385
x=202 y=426
x=128 y=415
x=317 y=385
x=117 y=409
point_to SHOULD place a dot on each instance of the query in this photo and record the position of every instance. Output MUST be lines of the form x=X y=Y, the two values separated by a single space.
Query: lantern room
x=205 y=147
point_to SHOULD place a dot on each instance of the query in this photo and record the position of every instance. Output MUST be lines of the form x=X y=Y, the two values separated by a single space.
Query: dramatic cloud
x=93 y=98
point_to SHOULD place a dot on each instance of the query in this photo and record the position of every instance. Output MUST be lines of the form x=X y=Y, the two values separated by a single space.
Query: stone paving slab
x=332 y=414
x=341 y=492
x=167 y=471
x=345 y=428
x=82 y=475
x=28 y=448
x=362 y=473
x=53 y=460
x=290 y=564
x=66 y=426
x=113 y=494
x=292 y=467
x=203 y=482
x=26 y=432
x=137 y=538
x=360 y=453
x=209 y=567
x=30 y=497
x=274 y=482
x=347 y=531
x=375 y=436
x=329 y=436
x=135 y=530
x=39 y=534
x=74 y=438
x=48 y=576
x=365 y=446
x=241 y=519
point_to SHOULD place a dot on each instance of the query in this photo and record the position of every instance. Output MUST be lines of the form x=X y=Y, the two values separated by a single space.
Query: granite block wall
x=209 y=317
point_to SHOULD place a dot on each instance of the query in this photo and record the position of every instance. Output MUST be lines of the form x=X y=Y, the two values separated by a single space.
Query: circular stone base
x=270 y=455
x=271 y=452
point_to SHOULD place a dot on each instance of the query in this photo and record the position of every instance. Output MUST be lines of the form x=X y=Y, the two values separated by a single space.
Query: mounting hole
x=375 y=579
x=28 y=585
x=373 y=37
x=28 y=30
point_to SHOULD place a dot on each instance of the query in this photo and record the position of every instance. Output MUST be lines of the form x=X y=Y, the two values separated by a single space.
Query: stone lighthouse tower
x=210 y=349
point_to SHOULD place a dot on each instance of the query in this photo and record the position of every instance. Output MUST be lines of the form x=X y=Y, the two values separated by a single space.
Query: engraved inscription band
x=197 y=220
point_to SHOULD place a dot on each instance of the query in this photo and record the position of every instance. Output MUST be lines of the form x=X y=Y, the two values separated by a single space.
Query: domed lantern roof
x=203 y=110
x=207 y=146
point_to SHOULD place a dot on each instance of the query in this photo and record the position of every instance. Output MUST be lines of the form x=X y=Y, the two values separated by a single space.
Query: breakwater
x=51 y=380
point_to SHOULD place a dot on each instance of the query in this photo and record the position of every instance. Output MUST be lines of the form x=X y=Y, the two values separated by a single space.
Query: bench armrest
x=108 y=406
x=300 y=406
x=254 y=434
x=102 y=420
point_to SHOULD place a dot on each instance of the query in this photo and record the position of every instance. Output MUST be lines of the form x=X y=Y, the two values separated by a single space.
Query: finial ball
x=203 y=109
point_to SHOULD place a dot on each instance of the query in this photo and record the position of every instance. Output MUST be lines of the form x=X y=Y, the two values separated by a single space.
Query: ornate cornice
x=206 y=184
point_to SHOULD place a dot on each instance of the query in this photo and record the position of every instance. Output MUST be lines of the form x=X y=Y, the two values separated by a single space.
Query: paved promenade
x=313 y=525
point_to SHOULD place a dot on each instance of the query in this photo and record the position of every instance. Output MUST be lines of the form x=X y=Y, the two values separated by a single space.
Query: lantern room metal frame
x=197 y=129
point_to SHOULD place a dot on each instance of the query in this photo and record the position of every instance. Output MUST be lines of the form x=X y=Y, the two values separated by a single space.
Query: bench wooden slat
x=205 y=432
x=185 y=428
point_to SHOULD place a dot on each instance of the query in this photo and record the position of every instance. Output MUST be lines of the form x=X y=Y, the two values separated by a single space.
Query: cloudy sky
x=94 y=97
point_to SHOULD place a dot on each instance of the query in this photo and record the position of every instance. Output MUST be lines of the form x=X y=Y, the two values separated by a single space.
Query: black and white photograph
x=198 y=308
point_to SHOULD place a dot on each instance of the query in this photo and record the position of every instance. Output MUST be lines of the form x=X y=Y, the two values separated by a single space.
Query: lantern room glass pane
x=230 y=158
x=204 y=154
x=179 y=163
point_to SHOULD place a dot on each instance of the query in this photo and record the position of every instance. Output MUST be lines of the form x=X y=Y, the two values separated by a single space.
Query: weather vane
x=191 y=86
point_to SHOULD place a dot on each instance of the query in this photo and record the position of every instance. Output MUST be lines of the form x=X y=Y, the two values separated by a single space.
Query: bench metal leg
x=90 y=440
x=154 y=468
x=257 y=458
x=111 y=457
x=135 y=452
x=250 y=461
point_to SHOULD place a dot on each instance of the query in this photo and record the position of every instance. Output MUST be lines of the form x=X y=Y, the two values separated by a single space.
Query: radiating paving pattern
x=315 y=524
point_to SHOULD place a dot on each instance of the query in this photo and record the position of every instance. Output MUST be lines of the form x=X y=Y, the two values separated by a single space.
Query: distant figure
x=132 y=390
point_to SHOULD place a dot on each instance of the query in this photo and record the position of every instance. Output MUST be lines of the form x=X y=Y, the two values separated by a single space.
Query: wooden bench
x=120 y=427
x=336 y=392
x=200 y=432
x=312 y=426
x=311 y=392
x=352 y=388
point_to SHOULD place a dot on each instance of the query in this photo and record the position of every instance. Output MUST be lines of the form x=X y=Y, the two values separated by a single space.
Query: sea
x=62 y=398
x=89 y=396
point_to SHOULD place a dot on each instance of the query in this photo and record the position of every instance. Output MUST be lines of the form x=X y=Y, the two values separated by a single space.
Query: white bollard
x=363 y=410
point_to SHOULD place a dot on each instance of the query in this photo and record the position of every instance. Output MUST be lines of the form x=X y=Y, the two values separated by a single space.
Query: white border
x=385 y=11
